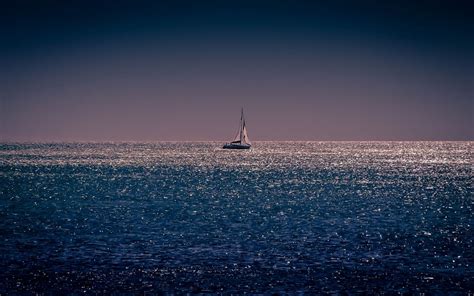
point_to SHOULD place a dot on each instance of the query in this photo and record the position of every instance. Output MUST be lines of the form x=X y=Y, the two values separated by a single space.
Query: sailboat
x=241 y=140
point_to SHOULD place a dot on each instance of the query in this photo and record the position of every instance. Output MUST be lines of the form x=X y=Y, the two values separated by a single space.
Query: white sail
x=237 y=137
x=245 y=137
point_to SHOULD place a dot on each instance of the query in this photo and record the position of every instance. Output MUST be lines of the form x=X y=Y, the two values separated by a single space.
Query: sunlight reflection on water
x=192 y=217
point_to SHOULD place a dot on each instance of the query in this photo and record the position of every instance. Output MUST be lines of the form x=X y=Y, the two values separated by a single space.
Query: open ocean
x=284 y=217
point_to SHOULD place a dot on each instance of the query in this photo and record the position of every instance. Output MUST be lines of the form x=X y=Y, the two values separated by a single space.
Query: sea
x=285 y=218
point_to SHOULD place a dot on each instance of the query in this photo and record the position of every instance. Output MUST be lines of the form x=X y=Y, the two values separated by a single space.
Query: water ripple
x=284 y=217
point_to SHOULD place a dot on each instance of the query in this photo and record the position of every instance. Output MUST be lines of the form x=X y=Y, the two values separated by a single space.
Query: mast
x=242 y=123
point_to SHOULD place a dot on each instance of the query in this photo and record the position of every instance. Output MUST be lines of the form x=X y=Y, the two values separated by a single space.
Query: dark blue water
x=290 y=217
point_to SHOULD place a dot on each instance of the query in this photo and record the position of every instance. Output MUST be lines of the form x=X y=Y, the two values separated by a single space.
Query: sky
x=181 y=70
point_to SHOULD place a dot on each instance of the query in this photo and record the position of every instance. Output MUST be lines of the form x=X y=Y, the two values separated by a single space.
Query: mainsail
x=245 y=137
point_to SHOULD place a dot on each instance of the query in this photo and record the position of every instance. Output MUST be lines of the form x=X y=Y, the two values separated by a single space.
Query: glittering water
x=284 y=217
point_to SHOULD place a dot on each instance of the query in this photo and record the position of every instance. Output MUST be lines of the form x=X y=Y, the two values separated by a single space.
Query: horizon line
x=201 y=141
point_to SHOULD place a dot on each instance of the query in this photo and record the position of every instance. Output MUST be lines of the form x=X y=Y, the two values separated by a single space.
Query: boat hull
x=235 y=146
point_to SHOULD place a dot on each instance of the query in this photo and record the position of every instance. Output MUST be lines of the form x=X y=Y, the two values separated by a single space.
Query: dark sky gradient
x=120 y=71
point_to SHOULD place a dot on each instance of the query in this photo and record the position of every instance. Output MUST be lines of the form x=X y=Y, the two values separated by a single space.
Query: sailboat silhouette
x=241 y=140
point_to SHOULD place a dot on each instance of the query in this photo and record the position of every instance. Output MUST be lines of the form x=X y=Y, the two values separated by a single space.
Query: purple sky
x=304 y=73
